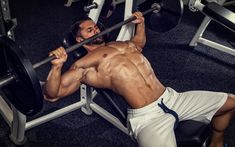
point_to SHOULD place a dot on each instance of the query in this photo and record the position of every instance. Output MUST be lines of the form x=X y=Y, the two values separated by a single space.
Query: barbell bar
x=20 y=83
x=106 y=31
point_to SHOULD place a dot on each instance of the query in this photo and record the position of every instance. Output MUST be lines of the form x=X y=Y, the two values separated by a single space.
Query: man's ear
x=79 y=39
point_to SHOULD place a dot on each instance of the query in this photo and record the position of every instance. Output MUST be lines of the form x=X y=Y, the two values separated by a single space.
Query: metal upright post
x=200 y=31
x=127 y=30
x=94 y=14
x=18 y=127
x=7 y=24
x=87 y=96
x=2 y=20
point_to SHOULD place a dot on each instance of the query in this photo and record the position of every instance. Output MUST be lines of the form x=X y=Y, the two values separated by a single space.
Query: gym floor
x=41 y=27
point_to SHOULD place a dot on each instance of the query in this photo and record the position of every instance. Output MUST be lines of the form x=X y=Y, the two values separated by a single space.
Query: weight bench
x=188 y=133
x=213 y=11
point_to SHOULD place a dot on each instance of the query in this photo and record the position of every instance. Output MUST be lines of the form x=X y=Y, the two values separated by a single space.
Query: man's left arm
x=139 y=38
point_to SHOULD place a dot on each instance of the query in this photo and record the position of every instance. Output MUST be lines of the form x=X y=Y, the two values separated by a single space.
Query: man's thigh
x=158 y=134
x=199 y=105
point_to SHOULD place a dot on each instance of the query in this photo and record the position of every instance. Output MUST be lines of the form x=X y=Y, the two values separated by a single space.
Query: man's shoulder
x=118 y=44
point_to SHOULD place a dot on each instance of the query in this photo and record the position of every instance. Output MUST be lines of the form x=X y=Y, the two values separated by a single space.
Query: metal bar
x=114 y=104
x=229 y=3
x=18 y=127
x=109 y=117
x=126 y=31
x=106 y=31
x=92 y=6
x=86 y=95
x=6 y=15
x=6 y=80
x=53 y=115
x=6 y=111
x=200 y=31
x=217 y=46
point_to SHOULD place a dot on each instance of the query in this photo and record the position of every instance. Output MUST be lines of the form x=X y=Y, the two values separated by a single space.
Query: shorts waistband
x=151 y=105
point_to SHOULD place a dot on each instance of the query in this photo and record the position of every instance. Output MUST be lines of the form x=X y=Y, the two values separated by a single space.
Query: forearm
x=53 y=82
x=140 y=36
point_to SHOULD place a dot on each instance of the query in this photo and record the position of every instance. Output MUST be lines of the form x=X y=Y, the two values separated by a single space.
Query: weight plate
x=167 y=18
x=24 y=92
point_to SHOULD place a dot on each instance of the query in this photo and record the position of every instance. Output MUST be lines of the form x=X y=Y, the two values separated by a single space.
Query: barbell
x=19 y=82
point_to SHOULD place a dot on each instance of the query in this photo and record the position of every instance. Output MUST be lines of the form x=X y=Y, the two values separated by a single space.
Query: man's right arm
x=139 y=38
x=52 y=85
x=58 y=85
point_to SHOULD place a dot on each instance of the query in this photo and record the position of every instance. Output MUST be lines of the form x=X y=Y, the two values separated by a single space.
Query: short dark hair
x=75 y=28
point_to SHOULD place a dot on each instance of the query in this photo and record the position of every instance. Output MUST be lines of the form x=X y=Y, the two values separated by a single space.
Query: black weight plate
x=167 y=18
x=24 y=92
x=170 y=15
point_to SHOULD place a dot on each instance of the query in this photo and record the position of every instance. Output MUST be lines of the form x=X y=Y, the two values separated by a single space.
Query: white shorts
x=152 y=127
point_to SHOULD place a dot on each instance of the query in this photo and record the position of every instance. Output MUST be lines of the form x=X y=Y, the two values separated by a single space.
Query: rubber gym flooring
x=41 y=27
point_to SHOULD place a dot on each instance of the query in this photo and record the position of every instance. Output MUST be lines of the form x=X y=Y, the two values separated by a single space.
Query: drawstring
x=167 y=110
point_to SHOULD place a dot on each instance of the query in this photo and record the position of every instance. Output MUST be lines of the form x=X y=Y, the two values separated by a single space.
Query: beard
x=97 y=41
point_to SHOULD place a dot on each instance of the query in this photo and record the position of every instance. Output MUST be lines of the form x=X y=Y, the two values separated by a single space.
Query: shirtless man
x=121 y=67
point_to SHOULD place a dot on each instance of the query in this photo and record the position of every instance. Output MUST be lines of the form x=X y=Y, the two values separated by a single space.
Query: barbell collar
x=118 y=25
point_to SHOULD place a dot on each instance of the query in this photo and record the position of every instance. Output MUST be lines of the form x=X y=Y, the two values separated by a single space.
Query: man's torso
x=121 y=67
